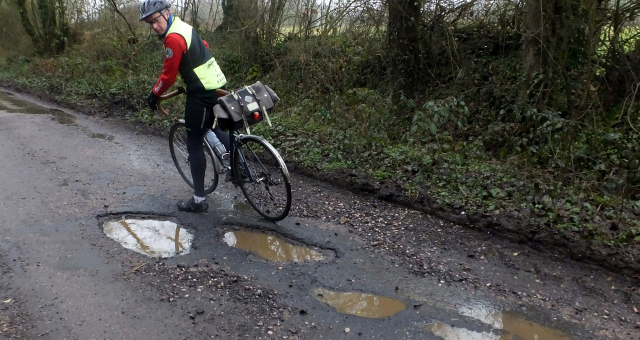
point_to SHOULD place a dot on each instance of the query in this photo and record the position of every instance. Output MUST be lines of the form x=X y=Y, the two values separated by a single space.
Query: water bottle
x=217 y=146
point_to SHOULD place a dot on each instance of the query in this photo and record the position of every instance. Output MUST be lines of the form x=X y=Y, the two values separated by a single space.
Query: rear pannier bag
x=245 y=107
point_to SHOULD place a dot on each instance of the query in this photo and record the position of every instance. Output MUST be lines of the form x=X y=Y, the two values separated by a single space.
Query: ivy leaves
x=437 y=120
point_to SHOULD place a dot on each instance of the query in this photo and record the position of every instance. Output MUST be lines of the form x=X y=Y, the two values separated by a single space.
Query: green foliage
x=437 y=120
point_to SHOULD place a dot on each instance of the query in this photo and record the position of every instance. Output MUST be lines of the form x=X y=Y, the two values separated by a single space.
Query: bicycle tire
x=180 y=156
x=265 y=180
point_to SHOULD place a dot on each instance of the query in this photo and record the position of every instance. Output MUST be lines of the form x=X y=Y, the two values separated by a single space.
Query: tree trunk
x=404 y=61
x=195 y=9
x=49 y=31
x=532 y=38
x=26 y=22
x=228 y=20
x=276 y=10
x=554 y=38
x=49 y=26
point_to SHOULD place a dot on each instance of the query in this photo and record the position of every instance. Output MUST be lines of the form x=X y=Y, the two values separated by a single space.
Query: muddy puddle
x=506 y=326
x=13 y=104
x=101 y=136
x=242 y=207
x=228 y=204
x=150 y=237
x=271 y=247
x=360 y=304
x=501 y=323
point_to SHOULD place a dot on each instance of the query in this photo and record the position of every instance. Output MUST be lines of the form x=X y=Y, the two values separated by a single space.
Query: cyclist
x=187 y=53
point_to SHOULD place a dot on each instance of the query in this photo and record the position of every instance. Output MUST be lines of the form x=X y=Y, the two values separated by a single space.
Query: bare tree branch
x=114 y=6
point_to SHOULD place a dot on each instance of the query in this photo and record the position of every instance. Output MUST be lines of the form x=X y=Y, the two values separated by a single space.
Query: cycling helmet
x=149 y=7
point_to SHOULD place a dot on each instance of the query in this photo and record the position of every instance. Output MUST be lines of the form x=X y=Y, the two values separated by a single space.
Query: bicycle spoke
x=181 y=145
x=263 y=180
x=180 y=155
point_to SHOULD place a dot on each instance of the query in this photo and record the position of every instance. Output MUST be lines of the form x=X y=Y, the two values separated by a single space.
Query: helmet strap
x=169 y=22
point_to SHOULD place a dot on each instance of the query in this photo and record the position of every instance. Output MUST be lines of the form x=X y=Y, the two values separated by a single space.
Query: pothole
x=5 y=105
x=511 y=326
x=62 y=117
x=271 y=247
x=242 y=207
x=101 y=136
x=12 y=104
x=150 y=237
x=360 y=304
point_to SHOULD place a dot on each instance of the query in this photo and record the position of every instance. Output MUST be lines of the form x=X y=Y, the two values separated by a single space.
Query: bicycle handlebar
x=180 y=90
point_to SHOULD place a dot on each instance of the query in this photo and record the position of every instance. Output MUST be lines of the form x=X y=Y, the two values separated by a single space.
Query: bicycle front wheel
x=263 y=177
x=180 y=155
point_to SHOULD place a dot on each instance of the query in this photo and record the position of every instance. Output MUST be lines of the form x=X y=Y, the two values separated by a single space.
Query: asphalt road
x=57 y=171
x=63 y=174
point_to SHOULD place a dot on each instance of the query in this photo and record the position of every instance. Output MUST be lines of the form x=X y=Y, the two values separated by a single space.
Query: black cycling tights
x=197 y=159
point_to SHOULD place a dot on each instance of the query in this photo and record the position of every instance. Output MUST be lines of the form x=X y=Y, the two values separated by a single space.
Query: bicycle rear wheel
x=180 y=155
x=263 y=177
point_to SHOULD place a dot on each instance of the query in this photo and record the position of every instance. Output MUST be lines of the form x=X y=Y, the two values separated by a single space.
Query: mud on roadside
x=518 y=273
x=513 y=226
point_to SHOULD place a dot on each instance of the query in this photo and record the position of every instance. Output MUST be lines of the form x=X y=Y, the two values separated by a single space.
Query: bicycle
x=254 y=165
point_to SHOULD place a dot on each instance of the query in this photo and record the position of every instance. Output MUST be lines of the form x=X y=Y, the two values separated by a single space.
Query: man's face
x=157 y=22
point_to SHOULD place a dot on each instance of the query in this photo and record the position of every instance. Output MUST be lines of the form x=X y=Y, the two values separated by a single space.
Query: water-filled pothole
x=6 y=105
x=242 y=207
x=504 y=325
x=511 y=327
x=150 y=237
x=12 y=104
x=360 y=304
x=271 y=247
x=16 y=105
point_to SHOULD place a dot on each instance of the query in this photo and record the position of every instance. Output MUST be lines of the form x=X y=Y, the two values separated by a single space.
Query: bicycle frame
x=266 y=184
x=236 y=138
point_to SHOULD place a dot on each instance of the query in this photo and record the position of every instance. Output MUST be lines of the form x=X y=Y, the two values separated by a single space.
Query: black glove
x=152 y=100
